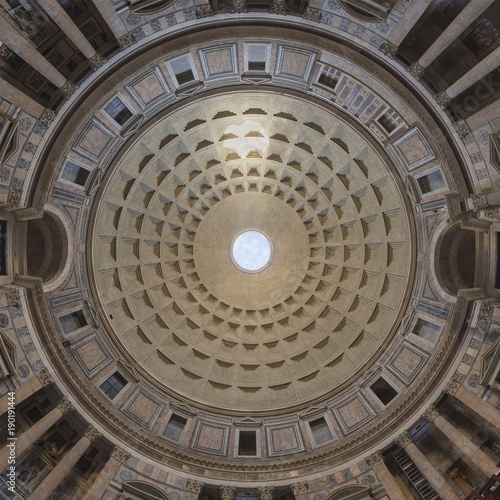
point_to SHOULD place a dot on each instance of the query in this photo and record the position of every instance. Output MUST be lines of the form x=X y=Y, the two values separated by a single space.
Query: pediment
x=128 y=369
x=183 y=408
x=248 y=422
x=313 y=411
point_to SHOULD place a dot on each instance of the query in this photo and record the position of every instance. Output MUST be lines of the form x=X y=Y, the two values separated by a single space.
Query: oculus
x=251 y=251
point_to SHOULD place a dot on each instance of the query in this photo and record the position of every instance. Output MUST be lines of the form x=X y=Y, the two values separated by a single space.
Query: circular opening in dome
x=251 y=251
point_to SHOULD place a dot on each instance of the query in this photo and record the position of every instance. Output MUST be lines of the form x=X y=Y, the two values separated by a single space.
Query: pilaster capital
x=203 y=11
x=120 y=454
x=97 y=61
x=312 y=14
x=47 y=117
x=65 y=405
x=13 y=296
x=486 y=311
x=403 y=440
x=239 y=7
x=14 y=198
x=462 y=128
x=45 y=377
x=479 y=201
x=92 y=433
x=388 y=49
x=452 y=386
x=68 y=89
x=278 y=7
x=431 y=413
x=194 y=486
x=443 y=99
x=126 y=41
x=266 y=492
x=300 y=488
x=227 y=492
x=416 y=70
x=375 y=459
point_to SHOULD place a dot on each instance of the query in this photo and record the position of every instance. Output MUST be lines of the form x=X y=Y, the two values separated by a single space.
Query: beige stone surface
x=162 y=251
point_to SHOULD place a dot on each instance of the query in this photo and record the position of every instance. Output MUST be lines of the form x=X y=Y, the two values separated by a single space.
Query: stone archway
x=455 y=259
x=351 y=492
x=46 y=247
x=140 y=490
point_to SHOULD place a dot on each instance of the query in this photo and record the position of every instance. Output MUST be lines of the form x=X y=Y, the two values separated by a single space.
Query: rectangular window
x=73 y=321
x=175 y=427
x=383 y=390
x=320 y=431
x=431 y=182
x=390 y=121
x=118 y=111
x=75 y=173
x=426 y=330
x=247 y=443
x=329 y=77
x=257 y=57
x=113 y=385
x=182 y=70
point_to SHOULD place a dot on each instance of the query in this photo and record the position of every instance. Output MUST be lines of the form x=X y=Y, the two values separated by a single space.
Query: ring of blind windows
x=118 y=111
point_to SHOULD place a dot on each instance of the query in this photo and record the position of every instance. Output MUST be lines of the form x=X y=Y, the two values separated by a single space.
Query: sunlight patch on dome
x=250 y=136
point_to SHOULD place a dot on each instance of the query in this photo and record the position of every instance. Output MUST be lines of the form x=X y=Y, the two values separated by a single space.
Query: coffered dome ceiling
x=186 y=316
x=328 y=179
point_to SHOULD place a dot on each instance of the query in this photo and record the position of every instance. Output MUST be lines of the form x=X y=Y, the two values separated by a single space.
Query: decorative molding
x=452 y=386
x=455 y=210
x=13 y=296
x=486 y=311
x=92 y=433
x=68 y=89
x=97 y=62
x=375 y=459
x=266 y=492
x=278 y=7
x=227 y=492
x=126 y=41
x=14 y=199
x=431 y=413
x=416 y=70
x=239 y=7
x=66 y=406
x=299 y=488
x=120 y=454
x=388 y=49
x=462 y=128
x=248 y=422
x=194 y=486
x=443 y=99
x=479 y=201
x=204 y=11
x=47 y=117
x=403 y=440
x=45 y=377
x=312 y=14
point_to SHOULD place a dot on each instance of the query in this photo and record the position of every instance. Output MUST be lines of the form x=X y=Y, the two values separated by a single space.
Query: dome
x=199 y=325
x=250 y=248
